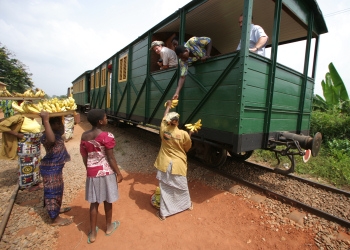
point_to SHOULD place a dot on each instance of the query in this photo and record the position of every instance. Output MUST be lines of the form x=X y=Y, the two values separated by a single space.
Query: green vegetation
x=13 y=72
x=331 y=117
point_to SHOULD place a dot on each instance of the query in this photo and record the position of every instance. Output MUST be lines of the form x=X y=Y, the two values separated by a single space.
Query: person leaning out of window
x=168 y=58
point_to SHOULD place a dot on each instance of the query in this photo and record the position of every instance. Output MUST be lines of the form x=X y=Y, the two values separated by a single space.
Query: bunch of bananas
x=173 y=103
x=194 y=127
x=30 y=93
x=52 y=106
x=57 y=105
x=5 y=93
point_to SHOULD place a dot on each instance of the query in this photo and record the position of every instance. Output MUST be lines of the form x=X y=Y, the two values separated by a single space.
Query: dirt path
x=219 y=220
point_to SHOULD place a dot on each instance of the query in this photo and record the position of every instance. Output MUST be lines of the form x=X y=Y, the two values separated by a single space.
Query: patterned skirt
x=29 y=159
x=175 y=196
x=53 y=188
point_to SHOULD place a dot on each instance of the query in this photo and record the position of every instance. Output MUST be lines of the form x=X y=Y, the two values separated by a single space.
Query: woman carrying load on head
x=51 y=167
x=172 y=166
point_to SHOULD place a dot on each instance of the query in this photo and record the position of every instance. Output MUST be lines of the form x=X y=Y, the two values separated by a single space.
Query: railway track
x=318 y=191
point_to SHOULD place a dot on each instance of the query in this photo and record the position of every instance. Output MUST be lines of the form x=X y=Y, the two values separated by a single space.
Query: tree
x=13 y=72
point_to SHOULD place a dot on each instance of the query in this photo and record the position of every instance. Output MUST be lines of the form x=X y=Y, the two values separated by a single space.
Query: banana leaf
x=333 y=87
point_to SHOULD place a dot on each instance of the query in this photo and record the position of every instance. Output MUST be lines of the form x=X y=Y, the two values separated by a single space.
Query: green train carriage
x=81 y=90
x=246 y=101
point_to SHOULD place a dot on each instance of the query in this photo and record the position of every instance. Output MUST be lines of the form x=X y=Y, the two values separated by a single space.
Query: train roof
x=218 y=19
x=86 y=72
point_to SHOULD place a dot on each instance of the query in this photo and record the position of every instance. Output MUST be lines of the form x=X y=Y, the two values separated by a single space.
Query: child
x=51 y=167
x=96 y=148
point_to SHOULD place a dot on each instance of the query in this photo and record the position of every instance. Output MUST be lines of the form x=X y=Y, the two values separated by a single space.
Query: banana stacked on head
x=194 y=127
x=30 y=93
x=173 y=103
x=5 y=93
x=52 y=106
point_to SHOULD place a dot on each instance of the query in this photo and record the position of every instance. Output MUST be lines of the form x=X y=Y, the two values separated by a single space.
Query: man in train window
x=258 y=38
x=196 y=48
x=167 y=55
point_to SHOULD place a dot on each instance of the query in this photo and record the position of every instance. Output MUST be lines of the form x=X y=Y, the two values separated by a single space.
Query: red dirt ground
x=219 y=220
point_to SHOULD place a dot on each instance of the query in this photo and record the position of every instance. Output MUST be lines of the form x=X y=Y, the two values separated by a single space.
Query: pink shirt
x=97 y=164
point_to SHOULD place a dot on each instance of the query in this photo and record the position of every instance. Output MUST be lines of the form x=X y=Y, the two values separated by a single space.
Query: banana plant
x=334 y=92
x=333 y=88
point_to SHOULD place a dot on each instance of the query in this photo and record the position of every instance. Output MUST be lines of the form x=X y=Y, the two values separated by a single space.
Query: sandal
x=160 y=217
x=89 y=234
x=116 y=224
x=64 y=210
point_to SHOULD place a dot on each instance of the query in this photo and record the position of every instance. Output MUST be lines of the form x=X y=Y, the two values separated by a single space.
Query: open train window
x=123 y=69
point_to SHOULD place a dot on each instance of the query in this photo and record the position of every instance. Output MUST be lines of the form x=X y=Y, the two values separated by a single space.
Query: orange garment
x=175 y=144
x=9 y=142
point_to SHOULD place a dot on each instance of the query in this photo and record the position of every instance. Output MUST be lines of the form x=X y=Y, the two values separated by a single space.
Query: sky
x=60 y=39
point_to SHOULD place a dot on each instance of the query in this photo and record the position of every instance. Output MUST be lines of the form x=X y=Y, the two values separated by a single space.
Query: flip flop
x=116 y=224
x=191 y=207
x=64 y=210
x=159 y=216
x=88 y=241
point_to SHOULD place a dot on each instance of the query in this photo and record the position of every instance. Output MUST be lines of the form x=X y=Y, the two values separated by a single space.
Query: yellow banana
x=58 y=108
x=16 y=107
x=7 y=93
x=47 y=108
x=31 y=109
x=174 y=103
x=37 y=107
x=53 y=107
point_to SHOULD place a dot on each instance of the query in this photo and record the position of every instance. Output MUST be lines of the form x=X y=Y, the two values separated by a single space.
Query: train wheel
x=241 y=156
x=215 y=157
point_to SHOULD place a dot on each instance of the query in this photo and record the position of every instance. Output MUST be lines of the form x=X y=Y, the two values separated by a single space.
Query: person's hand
x=168 y=103
x=254 y=50
x=204 y=58
x=119 y=177
x=175 y=97
x=20 y=135
x=44 y=115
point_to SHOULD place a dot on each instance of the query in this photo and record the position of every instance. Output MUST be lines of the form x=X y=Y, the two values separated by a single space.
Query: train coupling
x=294 y=141
x=302 y=142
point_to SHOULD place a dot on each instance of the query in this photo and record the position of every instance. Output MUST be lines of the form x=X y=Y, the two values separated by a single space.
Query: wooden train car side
x=246 y=101
x=81 y=90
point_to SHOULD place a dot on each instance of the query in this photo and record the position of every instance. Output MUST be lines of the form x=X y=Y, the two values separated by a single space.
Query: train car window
x=103 y=77
x=123 y=69
x=92 y=81
x=97 y=80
